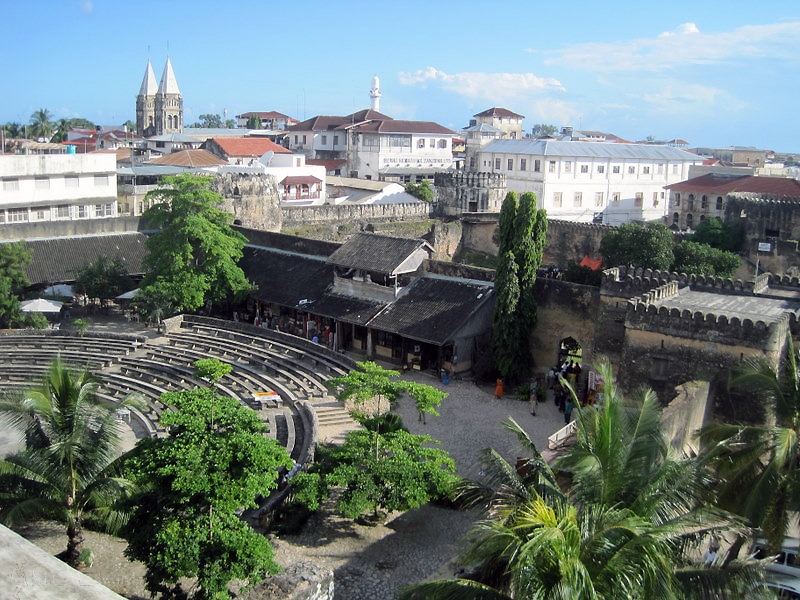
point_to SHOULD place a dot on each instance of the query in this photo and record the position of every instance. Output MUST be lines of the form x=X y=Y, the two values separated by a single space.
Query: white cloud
x=686 y=45
x=87 y=6
x=495 y=87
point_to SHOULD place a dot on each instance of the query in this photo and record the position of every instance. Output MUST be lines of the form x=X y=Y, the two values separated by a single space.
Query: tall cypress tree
x=504 y=325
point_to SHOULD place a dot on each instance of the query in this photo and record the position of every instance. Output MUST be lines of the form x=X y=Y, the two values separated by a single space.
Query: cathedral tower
x=146 y=104
x=168 y=103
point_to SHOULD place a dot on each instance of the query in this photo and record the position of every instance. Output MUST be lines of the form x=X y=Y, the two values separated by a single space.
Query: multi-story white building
x=375 y=146
x=590 y=181
x=57 y=187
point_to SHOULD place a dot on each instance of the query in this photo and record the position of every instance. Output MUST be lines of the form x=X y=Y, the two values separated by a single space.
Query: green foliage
x=367 y=381
x=209 y=120
x=36 y=321
x=152 y=303
x=373 y=472
x=215 y=461
x=693 y=257
x=67 y=471
x=505 y=225
x=41 y=124
x=193 y=256
x=81 y=326
x=105 y=278
x=211 y=369
x=421 y=190
x=575 y=273
x=14 y=258
x=543 y=130
x=504 y=332
x=718 y=234
x=649 y=247
x=253 y=122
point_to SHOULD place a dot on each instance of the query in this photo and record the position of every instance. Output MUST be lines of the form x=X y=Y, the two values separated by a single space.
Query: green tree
x=505 y=336
x=693 y=257
x=105 y=278
x=13 y=130
x=649 y=247
x=14 y=258
x=211 y=369
x=41 y=123
x=67 y=471
x=617 y=516
x=215 y=461
x=421 y=190
x=543 y=130
x=530 y=237
x=506 y=223
x=253 y=122
x=373 y=471
x=192 y=257
x=718 y=234
x=62 y=127
x=758 y=464
x=209 y=120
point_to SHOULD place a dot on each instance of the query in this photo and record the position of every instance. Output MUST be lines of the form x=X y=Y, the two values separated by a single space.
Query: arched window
x=702 y=218
x=675 y=218
x=690 y=202
x=689 y=221
x=169 y=122
x=719 y=202
x=676 y=202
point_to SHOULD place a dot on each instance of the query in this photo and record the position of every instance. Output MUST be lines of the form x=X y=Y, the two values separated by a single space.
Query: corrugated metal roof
x=714 y=183
x=375 y=253
x=590 y=150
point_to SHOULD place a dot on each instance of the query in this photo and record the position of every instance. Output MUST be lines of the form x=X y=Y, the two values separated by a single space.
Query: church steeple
x=169 y=103
x=146 y=103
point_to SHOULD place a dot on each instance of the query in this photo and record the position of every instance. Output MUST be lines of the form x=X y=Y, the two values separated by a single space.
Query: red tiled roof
x=271 y=114
x=500 y=113
x=300 y=179
x=592 y=263
x=726 y=184
x=395 y=126
x=252 y=146
x=326 y=123
x=188 y=158
x=330 y=164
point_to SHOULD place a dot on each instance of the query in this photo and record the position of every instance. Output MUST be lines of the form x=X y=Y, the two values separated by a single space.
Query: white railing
x=562 y=434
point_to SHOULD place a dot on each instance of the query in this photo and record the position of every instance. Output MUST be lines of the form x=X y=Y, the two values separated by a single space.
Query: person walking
x=568 y=406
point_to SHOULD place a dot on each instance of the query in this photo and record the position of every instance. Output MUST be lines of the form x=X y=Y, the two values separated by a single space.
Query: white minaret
x=375 y=94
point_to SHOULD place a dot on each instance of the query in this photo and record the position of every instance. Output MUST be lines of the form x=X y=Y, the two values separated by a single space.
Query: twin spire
x=168 y=85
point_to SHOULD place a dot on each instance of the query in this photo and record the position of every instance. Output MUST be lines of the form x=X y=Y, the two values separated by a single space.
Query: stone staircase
x=333 y=420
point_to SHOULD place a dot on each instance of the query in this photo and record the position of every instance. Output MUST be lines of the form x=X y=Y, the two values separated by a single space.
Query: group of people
x=569 y=371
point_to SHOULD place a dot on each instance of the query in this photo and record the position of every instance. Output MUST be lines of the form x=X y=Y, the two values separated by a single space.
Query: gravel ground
x=371 y=562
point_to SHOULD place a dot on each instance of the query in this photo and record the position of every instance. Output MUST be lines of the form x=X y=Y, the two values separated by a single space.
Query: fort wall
x=459 y=193
x=327 y=213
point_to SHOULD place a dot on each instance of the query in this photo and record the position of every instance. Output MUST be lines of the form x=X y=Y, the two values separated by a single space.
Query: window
x=567 y=166
x=557 y=200
x=601 y=169
x=71 y=181
x=398 y=141
x=675 y=218
x=421 y=143
x=719 y=202
x=42 y=183
x=370 y=141
x=101 y=180
x=510 y=164
x=551 y=166
x=62 y=211
x=690 y=202
x=472 y=162
x=523 y=164
x=442 y=144
x=675 y=170
x=615 y=197
x=655 y=198
x=497 y=164
x=335 y=140
x=537 y=166
x=324 y=140
x=584 y=168
x=17 y=215
x=41 y=214
x=577 y=200
x=104 y=210
x=676 y=201
x=304 y=139
x=645 y=170
x=433 y=143
x=638 y=200
x=295 y=139
x=704 y=202
x=598 y=199
x=615 y=169
x=631 y=170
x=10 y=185
x=689 y=221
x=660 y=168
x=83 y=212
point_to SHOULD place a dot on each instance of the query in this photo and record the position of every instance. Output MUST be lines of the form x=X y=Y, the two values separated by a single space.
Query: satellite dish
x=266 y=158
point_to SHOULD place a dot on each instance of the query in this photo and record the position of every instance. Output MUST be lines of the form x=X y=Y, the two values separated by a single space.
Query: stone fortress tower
x=159 y=110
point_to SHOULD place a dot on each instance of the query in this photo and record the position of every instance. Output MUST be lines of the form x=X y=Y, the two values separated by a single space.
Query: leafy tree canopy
x=193 y=256
x=693 y=257
x=253 y=122
x=544 y=130
x=649 y=247
x=105 y=278
x=421 y=190
x=215 y=461
x=14 y=258
x=718 y=234
x=42 y=124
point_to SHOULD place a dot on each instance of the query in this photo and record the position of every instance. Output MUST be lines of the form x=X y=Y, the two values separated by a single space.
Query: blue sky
x=713 y=73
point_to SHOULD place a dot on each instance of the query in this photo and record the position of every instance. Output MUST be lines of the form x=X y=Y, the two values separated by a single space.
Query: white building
x=57 y=187
x=375 y=146
x=589 y=181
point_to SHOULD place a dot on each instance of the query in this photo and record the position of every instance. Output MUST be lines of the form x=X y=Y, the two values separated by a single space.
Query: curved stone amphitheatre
x=279 y=375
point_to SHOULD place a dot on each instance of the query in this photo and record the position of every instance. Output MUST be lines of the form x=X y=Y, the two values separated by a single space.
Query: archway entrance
x=569 y=350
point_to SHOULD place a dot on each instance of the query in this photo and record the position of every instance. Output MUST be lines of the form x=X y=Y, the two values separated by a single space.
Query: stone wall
x=451 y=269
x=686 y=414
x=53 y=229
x=445 y=237
x=328 y=213
x=252 y=199
x=303 y=580
x=459 y=193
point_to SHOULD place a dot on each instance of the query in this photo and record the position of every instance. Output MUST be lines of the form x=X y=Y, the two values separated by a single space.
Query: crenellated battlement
x=470 y=192
x=784 y=281
x=567 y=226
x=629 y=281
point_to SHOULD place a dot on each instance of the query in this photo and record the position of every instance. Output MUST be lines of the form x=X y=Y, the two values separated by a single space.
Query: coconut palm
x=617 y=516
x=759 y=464
x=42 y=124
x=67 y=471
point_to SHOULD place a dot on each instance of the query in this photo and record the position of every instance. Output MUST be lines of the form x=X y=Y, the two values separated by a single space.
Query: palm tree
x=618 y=511
x=41 y=123
x=759 y=464
x=67 y=471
